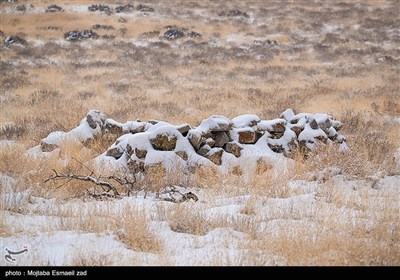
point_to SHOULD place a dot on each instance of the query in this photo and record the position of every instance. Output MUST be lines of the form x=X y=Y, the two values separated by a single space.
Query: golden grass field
x=341 y=58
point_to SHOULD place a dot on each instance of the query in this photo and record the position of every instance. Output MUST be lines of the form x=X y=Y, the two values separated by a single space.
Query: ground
x=341 y=58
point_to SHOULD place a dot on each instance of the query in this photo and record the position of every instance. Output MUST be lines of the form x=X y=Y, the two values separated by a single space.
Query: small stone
x=247 y=137
x=164 y=142
x=276 y=148
x=204 y=150
x=115 y=152
x=215 y=155
x=220 y=138
x=182 y=154
x=297 y=130
x=184 y=129
x=141 y=154
x=195 y=139
x=233 y=148
x=210 y=142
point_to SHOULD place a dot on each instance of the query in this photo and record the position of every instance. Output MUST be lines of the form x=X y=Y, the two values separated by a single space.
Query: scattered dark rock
x=135 y=166
x=77 y=35
x=46 y=147
x=10 y=40
x=233 y=13
x=123 y=20
x=265 y=43
x=124 y=9
x=101 y=26
x=144 y=8
x=173 y=34
x=101 y=8
x=54 y=9
x=193 y=34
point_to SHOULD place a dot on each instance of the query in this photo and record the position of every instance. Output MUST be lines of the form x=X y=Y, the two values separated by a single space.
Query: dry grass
x=339 y=58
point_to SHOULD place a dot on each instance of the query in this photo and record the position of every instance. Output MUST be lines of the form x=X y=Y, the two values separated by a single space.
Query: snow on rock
x=217 y=142
x=245 y=120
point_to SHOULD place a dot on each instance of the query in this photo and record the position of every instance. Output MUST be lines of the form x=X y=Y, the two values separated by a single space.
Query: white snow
x=245 y=120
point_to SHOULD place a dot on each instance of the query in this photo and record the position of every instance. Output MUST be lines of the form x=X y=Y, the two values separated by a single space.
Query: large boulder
x=220 y=139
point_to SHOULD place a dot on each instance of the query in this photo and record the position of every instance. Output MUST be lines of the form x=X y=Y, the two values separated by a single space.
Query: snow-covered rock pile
x=76 y=35
x=217 y=140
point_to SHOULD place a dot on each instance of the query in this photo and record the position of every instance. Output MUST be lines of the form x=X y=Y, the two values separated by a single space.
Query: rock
x=124 y=9
x=144 y=8
x=76 y=35
x=276 y=125
x=122 y=20
x=220 y=139
x=247 y=136
x=173 y=34
x=204 y=150
x=54 y=9
x=46 y=147
x=193 y=34
x=164 y=142
x=135 y=166
x=10 y=40
x=182 y=154
x=324 y=121
x=138 y=128
x=115 y=152
x=262 y=166
x=128 y=149
x=102 y=26
x=287 y=114
x=245 y=121
x=233 y=148
x=297 y=130
x=233 y=13
x=24 y=8
x=194 y=139
x=210 y=142
x=95 y=118
x=141 y=154
x=237 y=171
x=113 y=128
x=100 y=8
x=337 y=125
x=184 y=129
x=215 y=155
x=277 y=148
